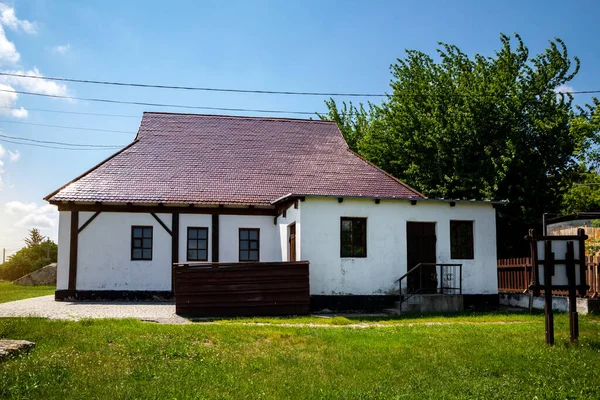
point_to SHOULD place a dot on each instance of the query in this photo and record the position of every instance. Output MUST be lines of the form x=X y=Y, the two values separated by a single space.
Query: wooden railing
x=241 y=289
x=514 y=276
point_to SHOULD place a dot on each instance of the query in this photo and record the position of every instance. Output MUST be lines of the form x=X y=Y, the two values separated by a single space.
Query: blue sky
x=330 y=46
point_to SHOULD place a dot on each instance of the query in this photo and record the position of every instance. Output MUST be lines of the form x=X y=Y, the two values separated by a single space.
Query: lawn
x=475 y=357
x=10 y=292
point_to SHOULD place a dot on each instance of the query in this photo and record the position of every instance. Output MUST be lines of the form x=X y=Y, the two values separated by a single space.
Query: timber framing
x=165 y=209
x=160 y=221
x=89 y=221
x=74 y=236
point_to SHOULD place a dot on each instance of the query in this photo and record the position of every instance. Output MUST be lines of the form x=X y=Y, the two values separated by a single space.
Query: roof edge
x=296 y=195
x=328 y=121
x=387 y=173
x=49 y=196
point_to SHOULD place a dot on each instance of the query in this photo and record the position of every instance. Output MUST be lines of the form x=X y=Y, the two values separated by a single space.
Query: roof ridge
x=242 y=117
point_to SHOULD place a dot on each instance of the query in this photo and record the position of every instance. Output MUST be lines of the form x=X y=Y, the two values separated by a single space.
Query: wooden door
x=292 y=241
x=420 y=248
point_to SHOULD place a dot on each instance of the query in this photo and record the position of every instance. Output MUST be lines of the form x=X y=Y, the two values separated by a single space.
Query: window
x=197 y=244
x=354 y=237
x=141 y=243
x=249 y=244
x=461 y=240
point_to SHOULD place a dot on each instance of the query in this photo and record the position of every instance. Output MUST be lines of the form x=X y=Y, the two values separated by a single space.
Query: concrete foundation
x=434 y=303
x=559 y=303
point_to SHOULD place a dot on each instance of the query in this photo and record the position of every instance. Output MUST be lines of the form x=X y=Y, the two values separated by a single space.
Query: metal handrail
x=420 y=289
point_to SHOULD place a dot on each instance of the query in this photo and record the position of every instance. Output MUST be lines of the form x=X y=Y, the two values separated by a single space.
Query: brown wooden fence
x=241 y=289
x=514 y=276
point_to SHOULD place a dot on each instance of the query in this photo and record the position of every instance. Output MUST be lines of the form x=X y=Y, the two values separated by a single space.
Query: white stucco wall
x=386 y=244
x=64 y=246
x=292 y=216
x=104 y=250
x=229 y=225
x=104 y=253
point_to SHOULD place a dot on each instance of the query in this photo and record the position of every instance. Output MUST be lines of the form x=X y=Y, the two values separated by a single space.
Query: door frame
x=291 y=237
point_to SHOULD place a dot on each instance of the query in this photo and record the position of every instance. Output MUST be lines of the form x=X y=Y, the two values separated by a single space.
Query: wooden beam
x=413 y=202
x=73 y=250
x=215 y=237
x=340 y=199
x=174 y=245
x=377 y=201
x=130 y=208
x=162 y=224
x=89 y=221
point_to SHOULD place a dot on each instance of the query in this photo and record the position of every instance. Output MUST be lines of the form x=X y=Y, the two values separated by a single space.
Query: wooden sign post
x=568 y=273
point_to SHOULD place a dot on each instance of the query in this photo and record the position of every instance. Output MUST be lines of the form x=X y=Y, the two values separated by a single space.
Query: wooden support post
x=548 y=272
x=73 y=242
x=174 y=246
x=570 y=266
x=582 y=265
x=215 y=237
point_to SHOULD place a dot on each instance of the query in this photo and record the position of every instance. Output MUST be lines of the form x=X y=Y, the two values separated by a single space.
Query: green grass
x=10 y=292
x=478 y=357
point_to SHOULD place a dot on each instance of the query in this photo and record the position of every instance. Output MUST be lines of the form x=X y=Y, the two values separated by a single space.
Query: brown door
x=292 y=241
x=420 y=248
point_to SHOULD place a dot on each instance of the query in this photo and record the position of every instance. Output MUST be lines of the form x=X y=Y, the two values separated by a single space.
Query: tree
x=35 y=238
x=479 y=127
x=583 y=194
x=29 y=259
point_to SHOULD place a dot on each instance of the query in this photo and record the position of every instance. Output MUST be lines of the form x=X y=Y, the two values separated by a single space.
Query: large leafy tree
x=478 y=127
x=38 y=253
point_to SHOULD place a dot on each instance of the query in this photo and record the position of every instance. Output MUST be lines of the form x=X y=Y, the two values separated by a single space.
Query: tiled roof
x=211 y=159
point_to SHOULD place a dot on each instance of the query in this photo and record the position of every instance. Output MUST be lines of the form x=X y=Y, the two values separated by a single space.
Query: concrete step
x=392 y=311
x=428 y=303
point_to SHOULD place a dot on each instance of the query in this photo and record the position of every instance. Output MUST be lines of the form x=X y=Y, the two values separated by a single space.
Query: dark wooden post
x=534 y=283
x=582 y=264
x=573 y=317
x=174 y=247
x=548 y=272
x=73 y=244
x=215 y=237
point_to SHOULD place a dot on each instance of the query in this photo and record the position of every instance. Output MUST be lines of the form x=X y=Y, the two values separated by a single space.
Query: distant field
x=10 y=292
x=484 y=356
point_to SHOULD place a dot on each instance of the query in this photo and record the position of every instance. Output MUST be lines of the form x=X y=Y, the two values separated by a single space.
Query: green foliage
x=583 y=193
x=479 y=127
x=35 y=237
x=413 y=359
x=36 y=255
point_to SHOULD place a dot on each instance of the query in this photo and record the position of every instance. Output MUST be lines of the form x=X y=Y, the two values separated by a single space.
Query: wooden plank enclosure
x=514 y=276
x=241 y=289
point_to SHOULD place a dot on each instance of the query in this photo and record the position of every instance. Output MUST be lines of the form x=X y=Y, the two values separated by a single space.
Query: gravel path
x=46 y=307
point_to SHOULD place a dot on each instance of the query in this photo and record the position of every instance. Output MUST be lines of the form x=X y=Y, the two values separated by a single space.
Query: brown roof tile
x=212 y=159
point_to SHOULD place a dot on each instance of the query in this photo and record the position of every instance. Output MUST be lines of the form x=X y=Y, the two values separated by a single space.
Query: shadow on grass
x=343 y=318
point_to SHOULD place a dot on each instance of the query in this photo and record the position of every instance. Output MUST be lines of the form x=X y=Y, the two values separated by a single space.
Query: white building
x=205 y=188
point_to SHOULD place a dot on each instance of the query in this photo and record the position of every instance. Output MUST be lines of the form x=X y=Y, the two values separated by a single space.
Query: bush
x=36 y=255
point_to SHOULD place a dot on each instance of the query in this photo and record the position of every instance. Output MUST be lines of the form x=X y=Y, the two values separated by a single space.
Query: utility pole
x=3 y=255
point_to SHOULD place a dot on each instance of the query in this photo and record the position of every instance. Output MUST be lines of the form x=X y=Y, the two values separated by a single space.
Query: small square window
x=197 y=244
x=249 y=244
x=353 y=237
x=141 y=243
x=461 y=240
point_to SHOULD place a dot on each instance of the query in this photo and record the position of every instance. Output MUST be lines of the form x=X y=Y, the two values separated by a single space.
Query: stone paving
x=46 y=307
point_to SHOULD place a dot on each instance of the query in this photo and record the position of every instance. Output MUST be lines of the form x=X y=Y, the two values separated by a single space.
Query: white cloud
x=34 y=85
x=14 y=156
x=8 y=51
x=2 y=151
x=31 y=215
x=8 y=17
x=1 y=173
x=61 y=49
x=563 y=89
x=8 y=101
x=17 y=207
